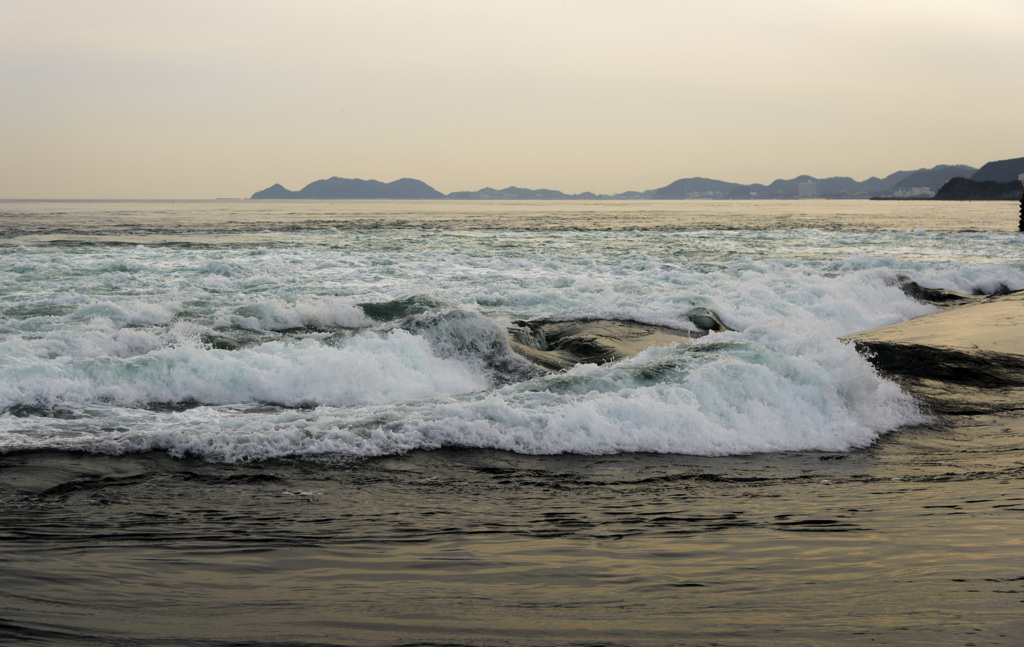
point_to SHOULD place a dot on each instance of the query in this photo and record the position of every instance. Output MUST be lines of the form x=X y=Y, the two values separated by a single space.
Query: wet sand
x=916 y=540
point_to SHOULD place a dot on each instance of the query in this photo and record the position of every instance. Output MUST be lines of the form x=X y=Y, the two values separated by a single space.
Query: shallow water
x=300 y=423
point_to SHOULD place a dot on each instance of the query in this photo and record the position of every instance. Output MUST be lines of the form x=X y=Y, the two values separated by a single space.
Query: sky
x=222 y=98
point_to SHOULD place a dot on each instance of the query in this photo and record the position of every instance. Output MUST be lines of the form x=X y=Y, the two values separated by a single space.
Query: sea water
x=299 y=422
x=254 y=330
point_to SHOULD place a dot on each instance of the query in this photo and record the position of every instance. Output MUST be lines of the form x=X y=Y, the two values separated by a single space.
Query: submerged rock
x=964 y=360
x=935 y=296
x=706 y=319
x=560 y=345
x=220 y=342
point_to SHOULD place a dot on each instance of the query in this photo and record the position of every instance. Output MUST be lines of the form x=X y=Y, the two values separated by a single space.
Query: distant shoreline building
x=807 y=189
x=915 y=192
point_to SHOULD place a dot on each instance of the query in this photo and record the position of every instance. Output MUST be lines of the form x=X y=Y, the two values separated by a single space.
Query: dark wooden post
x=1020 y=225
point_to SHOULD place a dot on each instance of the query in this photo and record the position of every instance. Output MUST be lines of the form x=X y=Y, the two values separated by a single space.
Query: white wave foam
x=132 y=312
x=118 y=335
x=474 y=340
x=369 y=369
x=786 y=296
x=276 y=314
x=765 y=390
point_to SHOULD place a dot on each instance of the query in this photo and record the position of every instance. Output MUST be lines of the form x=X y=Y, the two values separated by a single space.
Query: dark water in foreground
x=915 y=541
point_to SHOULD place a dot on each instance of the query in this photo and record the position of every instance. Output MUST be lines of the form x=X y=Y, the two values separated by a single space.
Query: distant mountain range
x=339 y=188
x=1000 y=180
x=923 y=183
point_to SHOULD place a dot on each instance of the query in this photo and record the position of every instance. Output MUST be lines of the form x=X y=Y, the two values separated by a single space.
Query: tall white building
x=807 y=189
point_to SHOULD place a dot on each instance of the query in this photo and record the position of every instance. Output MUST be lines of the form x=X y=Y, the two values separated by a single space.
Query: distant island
x=993 y=181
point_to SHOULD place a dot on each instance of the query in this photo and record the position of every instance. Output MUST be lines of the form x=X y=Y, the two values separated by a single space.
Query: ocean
x=302 y=423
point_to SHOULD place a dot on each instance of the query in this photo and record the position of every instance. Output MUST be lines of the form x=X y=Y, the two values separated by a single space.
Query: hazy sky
x=134 y=99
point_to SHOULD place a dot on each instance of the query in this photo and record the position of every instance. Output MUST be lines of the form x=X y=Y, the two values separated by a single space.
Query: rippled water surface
x=246 y=422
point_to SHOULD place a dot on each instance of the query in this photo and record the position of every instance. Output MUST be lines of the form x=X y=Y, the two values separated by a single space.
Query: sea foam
x=354 y=343
x=368 y=368
x=763 y=390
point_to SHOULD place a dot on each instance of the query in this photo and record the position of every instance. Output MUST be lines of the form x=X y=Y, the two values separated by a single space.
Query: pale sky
x=222 y=98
